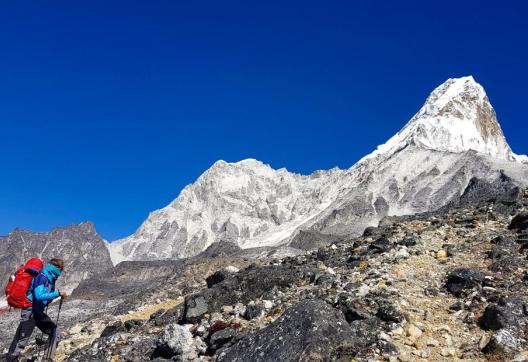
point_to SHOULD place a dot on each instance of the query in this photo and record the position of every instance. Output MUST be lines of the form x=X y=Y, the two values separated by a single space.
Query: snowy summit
x=456 y=117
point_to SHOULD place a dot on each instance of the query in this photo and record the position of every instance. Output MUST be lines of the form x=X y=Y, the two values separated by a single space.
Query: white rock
x=231 y=269
x=402 y=254
x=413 y=332
x=179 y=340
x=268 y=304
x=363 y=290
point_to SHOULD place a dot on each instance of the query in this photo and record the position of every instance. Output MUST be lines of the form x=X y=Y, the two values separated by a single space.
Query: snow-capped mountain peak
x=456 y=117
x=421 y=168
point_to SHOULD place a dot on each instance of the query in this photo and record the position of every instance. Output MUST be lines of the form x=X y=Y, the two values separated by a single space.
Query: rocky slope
x=454 y=138
x=433 y=287
x=83 y=250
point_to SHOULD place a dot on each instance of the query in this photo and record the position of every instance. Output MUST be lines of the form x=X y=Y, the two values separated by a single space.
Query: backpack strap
x=40 y=279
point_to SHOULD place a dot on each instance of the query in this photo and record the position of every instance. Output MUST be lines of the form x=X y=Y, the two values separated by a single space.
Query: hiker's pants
x=28 y=321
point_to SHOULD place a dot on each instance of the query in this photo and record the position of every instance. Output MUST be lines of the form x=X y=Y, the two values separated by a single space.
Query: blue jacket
x=42 y=289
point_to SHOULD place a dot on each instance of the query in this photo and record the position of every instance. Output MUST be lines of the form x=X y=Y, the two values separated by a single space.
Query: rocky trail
x=432 y=287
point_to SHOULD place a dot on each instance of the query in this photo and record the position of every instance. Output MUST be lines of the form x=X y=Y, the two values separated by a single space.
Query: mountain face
x=454 y=138
x=80 y=246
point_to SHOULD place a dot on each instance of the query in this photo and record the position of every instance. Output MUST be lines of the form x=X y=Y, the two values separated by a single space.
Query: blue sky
x=109 y=108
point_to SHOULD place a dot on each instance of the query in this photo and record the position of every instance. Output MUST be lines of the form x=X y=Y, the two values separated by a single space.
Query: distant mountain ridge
x=454 y=138
x=82 y=249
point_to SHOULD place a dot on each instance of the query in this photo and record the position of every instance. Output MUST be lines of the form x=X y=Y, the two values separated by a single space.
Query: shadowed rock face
x=83 y=250
x=503 y=191
x=310 y=331
x=311 y=240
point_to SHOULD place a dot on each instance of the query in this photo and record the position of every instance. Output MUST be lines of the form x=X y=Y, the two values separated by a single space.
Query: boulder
x=309 y=331
x=113 y=329
x=164 y=317
x=217 y=277
x=461 y=280
x=505 y=313
x=389 y=313
x=381 y=245
x=370 y=231
x=254 y=311
x=519 y=222
x=503 y=341
x=195 y=307
x=221 y=338
x=133 y=324
x=351 y=310
x=174 y=341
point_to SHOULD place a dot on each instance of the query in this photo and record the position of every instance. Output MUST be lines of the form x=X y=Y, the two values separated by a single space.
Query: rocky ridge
x=83 y=250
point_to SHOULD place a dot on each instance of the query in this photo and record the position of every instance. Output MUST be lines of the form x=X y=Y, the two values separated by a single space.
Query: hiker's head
x=57 y=266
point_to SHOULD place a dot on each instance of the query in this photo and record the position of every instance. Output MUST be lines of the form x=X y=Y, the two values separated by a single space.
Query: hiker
x=40 y=294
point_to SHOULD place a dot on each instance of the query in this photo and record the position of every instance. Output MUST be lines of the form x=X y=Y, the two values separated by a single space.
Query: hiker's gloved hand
x=63 y=295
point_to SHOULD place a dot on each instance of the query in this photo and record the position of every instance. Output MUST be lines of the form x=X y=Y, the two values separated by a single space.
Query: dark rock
x=324 y=254
x=505 y=264
x=370 y=231
x=356 y=259
x=103 y=350
x=352 y=310
x=325 y=280
x=220 y=249
x=381 y=245
x=253 y=311
x=113 y=329
x=387 y=347
x=243 y=287
x=220 y=338
x=217 y=277
x=133 y=324
x=157 y=314
x=461 y=280
x=164 y=317
x=389 y=313
x=457 y=306
x=506 y=313
x=195 y=307
x=311 y=240
x=352 y=286
x=501 y=191
x=503 y=341
x=365 y=331
x=311 y=330
x=408 y=242
x=451 y=250
x=519 y=222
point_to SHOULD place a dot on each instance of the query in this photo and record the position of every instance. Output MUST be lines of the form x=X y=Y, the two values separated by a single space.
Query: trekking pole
x=58 y=312
x=47 y=352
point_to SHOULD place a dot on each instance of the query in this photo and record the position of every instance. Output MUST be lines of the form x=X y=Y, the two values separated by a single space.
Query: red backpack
x=18 y=285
